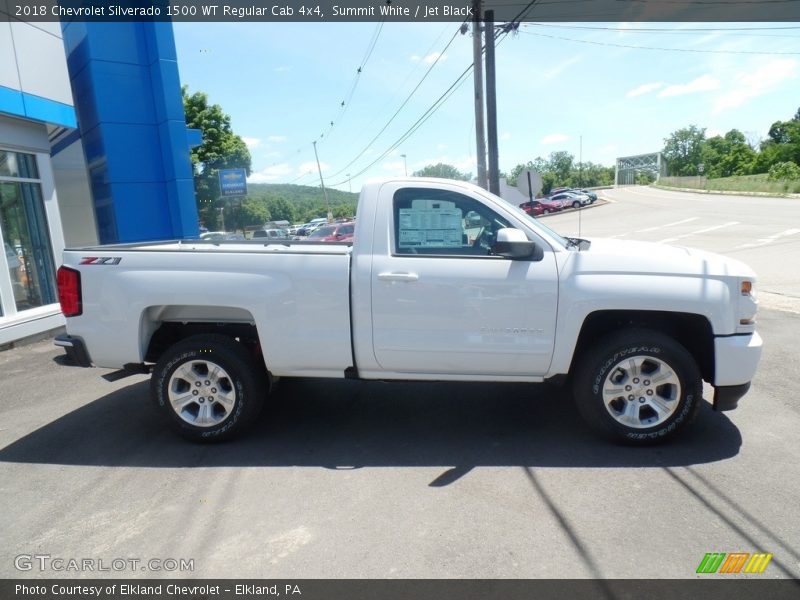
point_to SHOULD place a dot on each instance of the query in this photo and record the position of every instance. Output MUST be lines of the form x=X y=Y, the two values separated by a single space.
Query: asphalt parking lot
x=351 y=479
x=343 y=479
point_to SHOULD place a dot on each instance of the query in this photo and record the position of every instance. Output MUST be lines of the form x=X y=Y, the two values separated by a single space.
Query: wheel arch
x=692 y=331
x=165 y=325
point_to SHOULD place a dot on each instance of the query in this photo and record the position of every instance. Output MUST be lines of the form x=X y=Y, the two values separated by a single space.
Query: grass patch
x=739 y=183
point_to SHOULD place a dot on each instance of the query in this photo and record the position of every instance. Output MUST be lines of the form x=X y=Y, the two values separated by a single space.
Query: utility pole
x=324 y=191
x=477 y=63
x=491 y=105
x=405 y=165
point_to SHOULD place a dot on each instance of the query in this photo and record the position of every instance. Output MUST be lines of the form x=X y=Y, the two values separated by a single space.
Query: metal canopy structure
x=628 y=167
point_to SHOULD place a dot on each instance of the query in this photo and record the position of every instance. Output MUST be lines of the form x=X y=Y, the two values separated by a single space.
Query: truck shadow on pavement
x=340 y=424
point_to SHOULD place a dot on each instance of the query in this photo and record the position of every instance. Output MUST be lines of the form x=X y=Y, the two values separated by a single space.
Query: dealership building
x=93 y=149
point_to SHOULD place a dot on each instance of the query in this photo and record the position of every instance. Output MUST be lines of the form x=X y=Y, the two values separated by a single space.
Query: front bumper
x=735 y=361
x=727 y=397
x=75 y=349
x=736 y=358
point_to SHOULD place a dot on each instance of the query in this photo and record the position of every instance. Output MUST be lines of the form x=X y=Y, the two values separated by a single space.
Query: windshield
x=537 y=224
x=322 y=232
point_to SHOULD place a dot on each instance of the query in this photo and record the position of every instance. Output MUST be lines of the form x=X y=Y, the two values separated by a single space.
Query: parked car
x=221 y=235
x=337 y=232
x=313 y=224
x=573 y=199
x=590 y=193
x=541 y=206
x=270 y=234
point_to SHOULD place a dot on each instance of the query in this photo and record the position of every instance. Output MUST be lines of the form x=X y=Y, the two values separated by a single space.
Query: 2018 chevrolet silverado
x=443 y=281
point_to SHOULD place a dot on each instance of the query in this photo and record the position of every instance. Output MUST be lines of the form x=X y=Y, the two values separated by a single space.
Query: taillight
x=69 y=291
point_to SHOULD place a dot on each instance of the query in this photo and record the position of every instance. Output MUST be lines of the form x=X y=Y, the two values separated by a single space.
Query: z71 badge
x=101 y=260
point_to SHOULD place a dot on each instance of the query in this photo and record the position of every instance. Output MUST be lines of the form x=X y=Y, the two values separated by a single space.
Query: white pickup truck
x=444 y=281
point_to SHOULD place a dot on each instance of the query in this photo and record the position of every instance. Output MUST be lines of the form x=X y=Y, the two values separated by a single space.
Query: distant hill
x=300 y=194
x=306 y=201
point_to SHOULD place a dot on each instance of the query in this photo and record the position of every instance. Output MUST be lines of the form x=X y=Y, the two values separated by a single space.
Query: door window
x=443 y=223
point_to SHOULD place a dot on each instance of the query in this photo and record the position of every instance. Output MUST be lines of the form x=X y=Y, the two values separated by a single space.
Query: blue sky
x=621 y=88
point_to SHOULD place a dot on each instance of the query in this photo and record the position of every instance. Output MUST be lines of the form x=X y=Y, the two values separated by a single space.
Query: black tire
x=546 y=211
x=576 y=204
x=611 y=364
x=240 y=379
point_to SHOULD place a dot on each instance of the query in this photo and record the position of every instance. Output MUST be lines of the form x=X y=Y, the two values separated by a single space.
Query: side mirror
x=512 y=243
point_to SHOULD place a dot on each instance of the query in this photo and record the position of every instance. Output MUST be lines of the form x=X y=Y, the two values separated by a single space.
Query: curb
x=726 y=192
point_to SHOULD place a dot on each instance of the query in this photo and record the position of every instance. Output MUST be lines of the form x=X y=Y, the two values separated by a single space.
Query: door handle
x=398 y=276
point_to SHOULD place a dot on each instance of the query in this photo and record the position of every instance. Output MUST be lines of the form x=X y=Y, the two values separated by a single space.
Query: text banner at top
x=505 y=11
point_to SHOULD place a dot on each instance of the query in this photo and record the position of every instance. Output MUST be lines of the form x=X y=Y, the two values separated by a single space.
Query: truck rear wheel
x=638 y=386
x=209 y=387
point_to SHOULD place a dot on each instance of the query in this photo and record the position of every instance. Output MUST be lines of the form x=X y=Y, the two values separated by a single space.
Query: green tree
x=444 y=171
x=280 y=209
x=561 y=164
x=254 y=211
x=221 y=149
x=343 y=210
x=727 y=156
x=785 y=171
x=683 y=149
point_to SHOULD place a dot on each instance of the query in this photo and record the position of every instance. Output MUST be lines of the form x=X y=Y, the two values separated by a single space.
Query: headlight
x=748 y=303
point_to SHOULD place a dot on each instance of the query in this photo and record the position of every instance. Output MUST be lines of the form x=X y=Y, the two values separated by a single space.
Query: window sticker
x=430 y=228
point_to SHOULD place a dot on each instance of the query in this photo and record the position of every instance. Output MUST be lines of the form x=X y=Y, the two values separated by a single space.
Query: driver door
x=443 y=304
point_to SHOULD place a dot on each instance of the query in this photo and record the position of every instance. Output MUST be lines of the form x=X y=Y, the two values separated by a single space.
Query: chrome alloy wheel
x=641 y=392
x=201 y=393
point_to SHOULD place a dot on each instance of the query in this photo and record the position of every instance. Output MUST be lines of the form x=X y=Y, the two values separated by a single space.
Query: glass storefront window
x=28 y=253
x=16 y=164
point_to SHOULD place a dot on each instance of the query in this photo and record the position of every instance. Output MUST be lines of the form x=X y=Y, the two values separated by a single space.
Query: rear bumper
x=75 y=349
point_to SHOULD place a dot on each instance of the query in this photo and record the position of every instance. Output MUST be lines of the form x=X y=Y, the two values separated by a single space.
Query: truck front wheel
x=209 y=387
x=638 y=386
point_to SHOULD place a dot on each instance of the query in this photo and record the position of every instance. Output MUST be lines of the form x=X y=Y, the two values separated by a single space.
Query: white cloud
x=505 y=137
x=283 y=69
x=276 y=138
x=753 y=83
x=704 y=83
x=554 y=138
x=395 y=166
x=441 y=146
x=431 y=58
x=645 y=88
x=556 y=70
x=270 y=174
x=312 y=167
x=251 y=142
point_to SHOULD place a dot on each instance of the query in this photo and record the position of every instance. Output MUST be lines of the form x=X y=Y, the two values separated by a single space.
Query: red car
x=336 y=232
x=542 y=206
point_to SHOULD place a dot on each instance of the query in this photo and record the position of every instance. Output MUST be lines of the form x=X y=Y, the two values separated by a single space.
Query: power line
x=345 y=104
x=400 y=108
x=425 y=116
x=696 y=50
x=744 y=31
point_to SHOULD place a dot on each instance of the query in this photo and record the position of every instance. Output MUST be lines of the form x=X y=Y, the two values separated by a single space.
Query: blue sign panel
x=232 y=182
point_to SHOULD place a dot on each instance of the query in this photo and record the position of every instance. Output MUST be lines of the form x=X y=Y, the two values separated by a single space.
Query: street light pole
x=324 y=191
